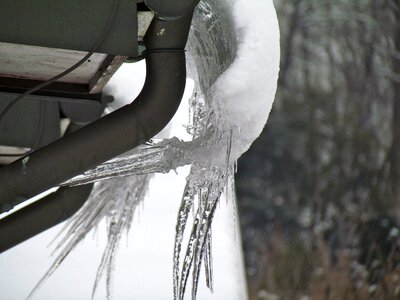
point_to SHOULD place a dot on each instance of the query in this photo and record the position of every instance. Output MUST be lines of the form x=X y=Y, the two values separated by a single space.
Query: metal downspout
x=42 y=215
x=115 y=133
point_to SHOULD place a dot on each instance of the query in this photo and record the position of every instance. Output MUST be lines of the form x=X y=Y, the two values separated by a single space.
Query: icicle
x=158 y=157
x=208 y=262
x=208 y=215
x=211 y=49
x=203 y=201
x=116 y=200
x=183 y=213
x=209 y=183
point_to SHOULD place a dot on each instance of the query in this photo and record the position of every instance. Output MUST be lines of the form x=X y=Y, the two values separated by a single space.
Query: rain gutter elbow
x=115 y=133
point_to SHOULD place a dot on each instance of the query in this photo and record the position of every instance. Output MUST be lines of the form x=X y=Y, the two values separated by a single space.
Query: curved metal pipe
x=115 y=133
x=41 y=215
x=172 y=8
x=44 y=213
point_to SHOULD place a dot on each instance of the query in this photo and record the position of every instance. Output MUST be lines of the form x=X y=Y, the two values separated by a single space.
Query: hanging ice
x=233 y=58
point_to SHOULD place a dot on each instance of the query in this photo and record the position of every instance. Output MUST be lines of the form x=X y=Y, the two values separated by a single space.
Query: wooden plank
x=42 y=63
x=110 y=65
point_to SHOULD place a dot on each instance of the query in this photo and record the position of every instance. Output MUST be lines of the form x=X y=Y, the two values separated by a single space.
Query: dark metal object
x=34 y=123
x=44 y=213
x=83 y=113
x=172 y=8
x=43 y=38
x=72 y=24
x=113 y=134
x=41 y=215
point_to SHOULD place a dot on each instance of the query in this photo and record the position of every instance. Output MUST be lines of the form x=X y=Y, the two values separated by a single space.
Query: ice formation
x=233 y=58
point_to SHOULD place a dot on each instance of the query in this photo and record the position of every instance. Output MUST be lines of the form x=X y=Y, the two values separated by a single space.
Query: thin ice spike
x=183 y=213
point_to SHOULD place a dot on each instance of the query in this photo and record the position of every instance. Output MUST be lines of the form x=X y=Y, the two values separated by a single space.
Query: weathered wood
x=42 y=63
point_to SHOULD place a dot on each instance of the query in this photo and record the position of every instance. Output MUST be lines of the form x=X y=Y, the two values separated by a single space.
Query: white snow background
x=144 y=267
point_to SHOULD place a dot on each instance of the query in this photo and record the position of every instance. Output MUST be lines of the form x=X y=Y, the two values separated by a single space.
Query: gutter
x=115 y=133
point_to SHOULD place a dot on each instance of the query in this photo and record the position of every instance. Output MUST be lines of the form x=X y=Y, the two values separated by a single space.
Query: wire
x=62 y=74
x=166 y=50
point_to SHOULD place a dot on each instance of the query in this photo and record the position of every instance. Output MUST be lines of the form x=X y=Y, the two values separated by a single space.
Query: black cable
x=166 y=50
x=62 y=74
x=151 y=51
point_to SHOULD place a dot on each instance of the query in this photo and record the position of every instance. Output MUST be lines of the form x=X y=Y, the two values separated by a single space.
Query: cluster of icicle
x=121 y=183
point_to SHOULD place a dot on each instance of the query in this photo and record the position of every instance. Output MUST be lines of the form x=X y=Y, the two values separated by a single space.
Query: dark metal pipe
x=115 y=133
x=171 y=8
x=41 y=215
x=45 y=213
